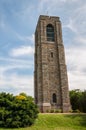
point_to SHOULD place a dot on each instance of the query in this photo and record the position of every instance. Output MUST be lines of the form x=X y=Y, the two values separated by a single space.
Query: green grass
x=58 y=122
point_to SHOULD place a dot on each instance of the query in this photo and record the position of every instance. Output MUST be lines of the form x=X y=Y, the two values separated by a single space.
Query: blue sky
x=18 y=19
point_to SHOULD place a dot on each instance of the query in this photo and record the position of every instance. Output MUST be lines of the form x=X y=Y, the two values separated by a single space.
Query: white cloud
x=14 y=61
x=76 y=62
x=14 y=82
x=23 y=50
x=25 y=38
x=77 y=20
x=53 y=6
x=80 y=39
x=76 y=51
x=71 y=25
x=69 y=1
x=17 y=84
x=77 y=80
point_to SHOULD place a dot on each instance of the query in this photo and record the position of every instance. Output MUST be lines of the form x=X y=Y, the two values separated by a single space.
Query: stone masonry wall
x=50 y=75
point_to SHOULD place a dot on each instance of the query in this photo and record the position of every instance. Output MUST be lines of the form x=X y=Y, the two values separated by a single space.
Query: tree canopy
x=17 y=111
x=78 y=100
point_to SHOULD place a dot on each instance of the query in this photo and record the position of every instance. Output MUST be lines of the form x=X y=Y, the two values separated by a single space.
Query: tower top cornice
x=47 y=17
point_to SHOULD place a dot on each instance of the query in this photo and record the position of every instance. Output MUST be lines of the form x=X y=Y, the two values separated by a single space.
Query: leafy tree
x=17 y=111
x=78 y=100
x=84 y=101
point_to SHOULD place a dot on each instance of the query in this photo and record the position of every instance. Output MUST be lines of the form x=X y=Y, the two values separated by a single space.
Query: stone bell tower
x=50 y=75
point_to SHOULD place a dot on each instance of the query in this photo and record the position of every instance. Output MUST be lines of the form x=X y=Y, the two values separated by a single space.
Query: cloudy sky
x=18 y=19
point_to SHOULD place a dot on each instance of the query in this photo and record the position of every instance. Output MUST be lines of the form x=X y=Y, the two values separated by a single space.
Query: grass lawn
x=57 y=122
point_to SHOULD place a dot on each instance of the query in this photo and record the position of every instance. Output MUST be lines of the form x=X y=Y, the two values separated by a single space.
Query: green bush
x=58 y=111
x=17 y=111
x=48 y=111
x=52 y=111
x=78 y=100
x=71 y=111
x=76 y=111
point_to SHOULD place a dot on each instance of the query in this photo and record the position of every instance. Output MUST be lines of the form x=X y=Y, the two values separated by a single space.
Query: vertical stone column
x=63 y=71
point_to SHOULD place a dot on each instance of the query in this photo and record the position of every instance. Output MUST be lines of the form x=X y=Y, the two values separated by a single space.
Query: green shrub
x=76 y=111
x=58 y=111
x=17 y=111
x=52 y=111
x=48 y=111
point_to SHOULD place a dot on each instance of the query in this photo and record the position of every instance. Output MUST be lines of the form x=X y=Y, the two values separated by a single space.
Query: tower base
x=43 y=107
x=66 y=108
